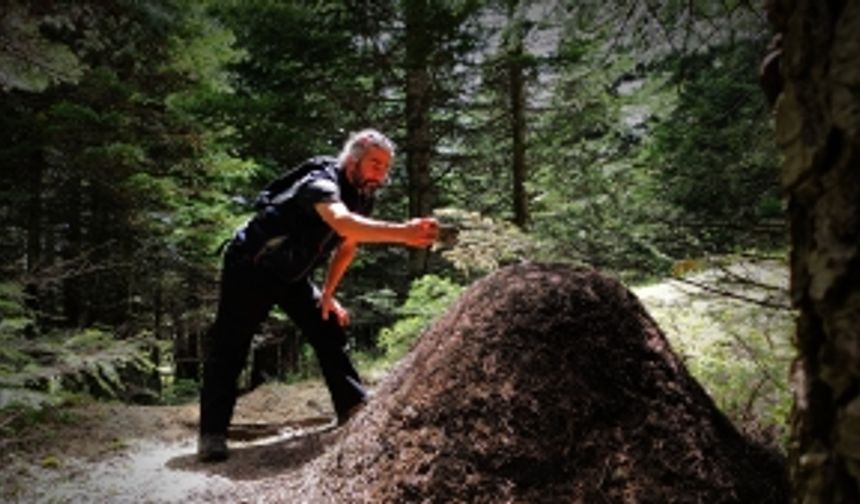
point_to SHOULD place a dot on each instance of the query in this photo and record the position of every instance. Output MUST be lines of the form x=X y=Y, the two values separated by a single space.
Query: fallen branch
x=733 y=295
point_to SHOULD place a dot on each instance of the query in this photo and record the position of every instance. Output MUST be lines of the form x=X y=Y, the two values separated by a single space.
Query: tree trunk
x=418 y=135
x=34 y=230
x=72 y=292
x=34 y=214
x=158 y=304
x=818 y=129
x=517 y=95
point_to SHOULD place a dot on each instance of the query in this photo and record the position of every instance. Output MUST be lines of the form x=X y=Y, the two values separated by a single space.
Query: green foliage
x=178 y=392
x=12 y=360
x=200 y=49
x=483 y=244
x=128 y=192
x=15 y=318
x=374 y=305
x=745 y=374
x=590 y=204
x=299 y=83
x=89 y=340
x=20 y=418
x=428 y=297
x=713 y=160
x=30 y=60
x=738 y=351
x=12 y=300
x=639 y=166
x=308 y=365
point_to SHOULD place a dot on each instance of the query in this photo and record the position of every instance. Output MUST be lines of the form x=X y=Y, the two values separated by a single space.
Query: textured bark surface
x=517 y=99
x=818 y=130
x=418 y=134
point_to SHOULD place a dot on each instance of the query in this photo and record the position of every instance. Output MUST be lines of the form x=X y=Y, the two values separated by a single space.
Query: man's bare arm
x=338 y=266
x=352 y=227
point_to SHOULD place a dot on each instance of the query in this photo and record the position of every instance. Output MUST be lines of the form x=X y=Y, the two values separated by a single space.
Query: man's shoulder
x=321 y=180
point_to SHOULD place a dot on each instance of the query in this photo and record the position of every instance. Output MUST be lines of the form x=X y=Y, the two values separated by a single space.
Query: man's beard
x=366 y=187
x=369 y=187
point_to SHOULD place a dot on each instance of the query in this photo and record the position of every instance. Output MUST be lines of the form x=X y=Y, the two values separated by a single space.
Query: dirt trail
x=112 y=453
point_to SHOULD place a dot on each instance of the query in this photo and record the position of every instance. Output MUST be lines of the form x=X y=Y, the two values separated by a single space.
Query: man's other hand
x=330 y=305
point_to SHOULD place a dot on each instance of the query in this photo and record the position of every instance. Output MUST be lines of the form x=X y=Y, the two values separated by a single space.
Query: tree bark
x=418 y=135
x=34 y=214
x=818 y=128
x=517 y=96
x=72 y=292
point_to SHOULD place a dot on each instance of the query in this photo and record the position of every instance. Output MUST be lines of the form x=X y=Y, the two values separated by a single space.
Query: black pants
x=247 y=296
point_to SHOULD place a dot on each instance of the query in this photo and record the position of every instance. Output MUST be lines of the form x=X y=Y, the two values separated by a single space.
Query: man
x=321 y=210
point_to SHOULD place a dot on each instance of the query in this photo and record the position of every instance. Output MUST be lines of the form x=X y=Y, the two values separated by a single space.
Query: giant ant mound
x=544 y=384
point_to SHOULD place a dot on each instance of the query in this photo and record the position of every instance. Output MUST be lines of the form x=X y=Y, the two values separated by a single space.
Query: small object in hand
x=447 y=236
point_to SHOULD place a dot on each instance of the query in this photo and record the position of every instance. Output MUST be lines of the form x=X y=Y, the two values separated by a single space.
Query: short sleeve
x=317 y=190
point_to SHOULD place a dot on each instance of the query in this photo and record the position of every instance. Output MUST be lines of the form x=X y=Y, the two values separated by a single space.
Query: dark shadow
x=252 y=431
x=263 y=460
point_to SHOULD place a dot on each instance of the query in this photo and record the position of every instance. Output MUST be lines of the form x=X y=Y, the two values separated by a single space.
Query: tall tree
x=429 y=42
x=818 y=129
x=516 y=67
x=305 y=80
x=419 y=95
x=504 y=104
x=30 y=59
x=712 y=159
x=107 y=157
x=652 y=146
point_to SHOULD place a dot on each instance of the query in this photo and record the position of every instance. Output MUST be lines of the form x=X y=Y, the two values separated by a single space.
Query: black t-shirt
x=287 y=236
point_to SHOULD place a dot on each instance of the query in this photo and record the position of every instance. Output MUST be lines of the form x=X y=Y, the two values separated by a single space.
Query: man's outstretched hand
x=422 y=232
x=329 y=305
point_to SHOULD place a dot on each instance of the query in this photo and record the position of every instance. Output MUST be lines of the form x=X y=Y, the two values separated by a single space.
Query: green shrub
x=743 y=366
x=484 y=244
x=739 y=351
x=89 y=340
x=15 y=318
x=180 y=392
x=428 y=297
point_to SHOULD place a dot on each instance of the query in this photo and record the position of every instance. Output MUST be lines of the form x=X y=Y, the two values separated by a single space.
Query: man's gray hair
x=359 y=142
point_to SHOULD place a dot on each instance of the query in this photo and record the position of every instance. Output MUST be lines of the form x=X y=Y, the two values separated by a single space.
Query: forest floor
x=111 y=452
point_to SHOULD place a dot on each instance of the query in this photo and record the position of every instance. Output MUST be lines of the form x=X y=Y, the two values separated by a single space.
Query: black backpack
x=283 y=187
x=285 y=259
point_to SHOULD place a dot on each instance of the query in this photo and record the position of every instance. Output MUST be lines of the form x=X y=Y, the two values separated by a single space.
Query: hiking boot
x=212 y=447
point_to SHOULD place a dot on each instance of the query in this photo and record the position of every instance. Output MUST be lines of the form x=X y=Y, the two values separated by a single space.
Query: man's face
x=370 y=172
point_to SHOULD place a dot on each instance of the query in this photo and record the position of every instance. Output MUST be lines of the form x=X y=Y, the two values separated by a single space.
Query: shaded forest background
x=631 y=136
